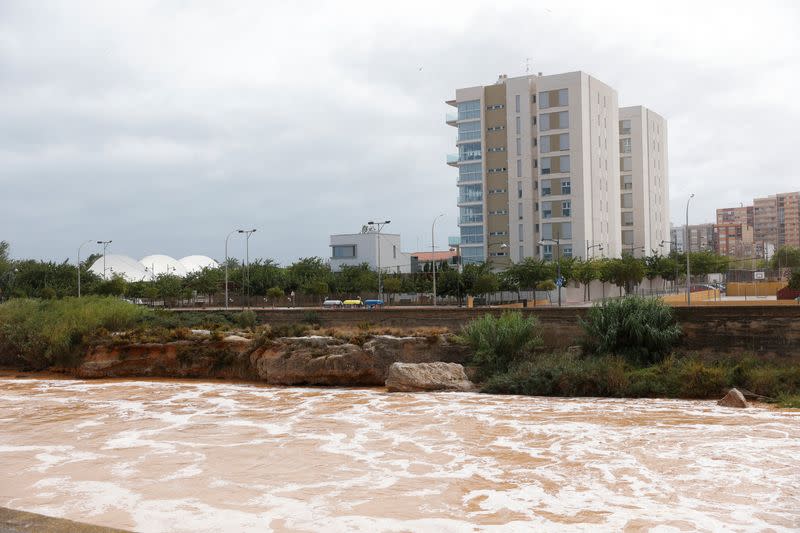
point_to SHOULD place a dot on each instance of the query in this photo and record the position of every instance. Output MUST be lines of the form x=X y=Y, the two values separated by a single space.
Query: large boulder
x=734 y=398
x=330 y=361
x=419 y=377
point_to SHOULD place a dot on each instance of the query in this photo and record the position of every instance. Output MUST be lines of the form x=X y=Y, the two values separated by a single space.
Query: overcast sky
x=164 y=125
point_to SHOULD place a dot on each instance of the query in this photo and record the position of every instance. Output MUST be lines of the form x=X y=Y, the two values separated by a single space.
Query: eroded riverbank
x=182 y=456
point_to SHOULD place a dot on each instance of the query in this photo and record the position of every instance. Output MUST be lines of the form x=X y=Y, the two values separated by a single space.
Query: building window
x=547 y=231
x=470 y=172
x=519 y=125
x=627 y=237
x=519 y=210
x=553 y=98
x=546 y=187
x=536 y=228
x=554 y=121
x=495 y=107
x=624 y=127
x=566 y=187
x=394 y=252
x=566 y=251
x=544 y=144
x=519 y=168
x=547 y=209
x=566 y=208
x=469 y=110
x=564 y=163
x=344 y=251
x=521 y=252
x=627 y=218
x=519 y=146
x=471 y=255
x=468 y=131
x=626 y=182
x=519 y=189
x=563 y=141
x=471 y=234
x=516 y=100
x=469 y=151
x=520 y=232
x=470 y=193
x=565 y=230
x=625 y=145
x=625 y=164
x=626 y=200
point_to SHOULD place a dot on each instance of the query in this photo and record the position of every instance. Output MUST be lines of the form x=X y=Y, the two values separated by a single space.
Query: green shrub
x=311 y=317
x=686 y=377
x=643 y=330
x=247 y=319
x=36 y=334
x=497 y=342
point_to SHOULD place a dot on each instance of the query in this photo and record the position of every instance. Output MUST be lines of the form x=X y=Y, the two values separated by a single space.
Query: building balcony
x=451 y=119
x=470 y=219
x=470 y=199
x=452 y=160
x=452 y=102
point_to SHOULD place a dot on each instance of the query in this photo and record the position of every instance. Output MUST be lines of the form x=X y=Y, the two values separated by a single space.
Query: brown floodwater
x=191 y=456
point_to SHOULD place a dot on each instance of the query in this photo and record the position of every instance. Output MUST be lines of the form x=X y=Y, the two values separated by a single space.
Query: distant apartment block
x=539 y=161
x=734 y=231
x=644 y=187
x=776 y=222
x=701 y=238
x=378 y=250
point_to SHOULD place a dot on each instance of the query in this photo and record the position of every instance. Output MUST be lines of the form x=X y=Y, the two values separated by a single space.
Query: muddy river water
x=193 y=456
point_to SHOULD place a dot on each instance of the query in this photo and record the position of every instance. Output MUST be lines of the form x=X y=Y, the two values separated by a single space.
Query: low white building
x=378 y=250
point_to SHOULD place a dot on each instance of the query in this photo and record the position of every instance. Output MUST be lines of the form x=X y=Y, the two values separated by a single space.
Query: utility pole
x=79 y=265
x=380 y=226
x=105 y=247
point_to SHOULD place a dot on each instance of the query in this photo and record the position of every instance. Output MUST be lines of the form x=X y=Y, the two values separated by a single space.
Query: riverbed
x=193 y=456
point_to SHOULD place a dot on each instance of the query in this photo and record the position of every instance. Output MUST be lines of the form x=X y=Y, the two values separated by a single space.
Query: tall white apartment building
x=644 y=183
x=538 y=161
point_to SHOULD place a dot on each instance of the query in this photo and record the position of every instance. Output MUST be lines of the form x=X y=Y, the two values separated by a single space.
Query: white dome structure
x=196 y=263
x=157 y=265
x=119 y=265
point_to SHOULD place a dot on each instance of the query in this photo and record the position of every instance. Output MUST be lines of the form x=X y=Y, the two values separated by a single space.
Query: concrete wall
x=771 y=331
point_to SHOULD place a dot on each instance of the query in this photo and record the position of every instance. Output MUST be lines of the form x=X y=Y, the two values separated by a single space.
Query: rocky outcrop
x=734 y=398
x=182 y=359
x=311 y=360
x=331 y=361
x=419 y=377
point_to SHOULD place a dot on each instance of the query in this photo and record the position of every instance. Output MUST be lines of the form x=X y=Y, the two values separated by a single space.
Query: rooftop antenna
x=527 y=65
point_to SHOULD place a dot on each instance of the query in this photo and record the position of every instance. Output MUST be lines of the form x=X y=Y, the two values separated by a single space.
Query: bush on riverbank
x=642 y=330
x=37 y=334
x=674 y=377
x=499 y=342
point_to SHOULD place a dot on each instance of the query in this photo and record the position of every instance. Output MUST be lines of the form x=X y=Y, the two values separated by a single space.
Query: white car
x=332 y=304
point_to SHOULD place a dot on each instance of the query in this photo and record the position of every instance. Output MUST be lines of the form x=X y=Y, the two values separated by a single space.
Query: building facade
x=701 y=238
x=776 y=222
x=734 y=231
x=379 y=250
x=643 y=181
x=539 y=161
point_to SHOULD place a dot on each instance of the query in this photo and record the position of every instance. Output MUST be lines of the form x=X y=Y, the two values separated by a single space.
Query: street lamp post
x=247 y=233
x=79 y=264
x=433 y=256
x=226 y=264
x=688 y=247
x=105 y=247
x=380 y=226
x=558 y=265
x=600 y=246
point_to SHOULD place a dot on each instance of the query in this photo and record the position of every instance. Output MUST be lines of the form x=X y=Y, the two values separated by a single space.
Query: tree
x=528 y=273
x=206 y=281
x=355 y=279
x=585 y=272
x=169 y=287
x=266 y=274
x=274 y=294
x=114 y=286
x=308 y=274
x=704 y=263
x=392 y=285
x=785 y=257
x=625 y=272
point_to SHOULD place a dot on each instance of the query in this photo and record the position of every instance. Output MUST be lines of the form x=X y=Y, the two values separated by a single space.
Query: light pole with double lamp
x=79 y=264
x=558 y=265
x=105 y=247
x=687 y=245
x=248 y=233
x=226 y=264
x=380 y=226
x=600 y=246
x=433 y=256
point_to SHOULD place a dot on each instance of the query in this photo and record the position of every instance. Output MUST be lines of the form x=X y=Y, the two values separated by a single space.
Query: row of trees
x=312 y=277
